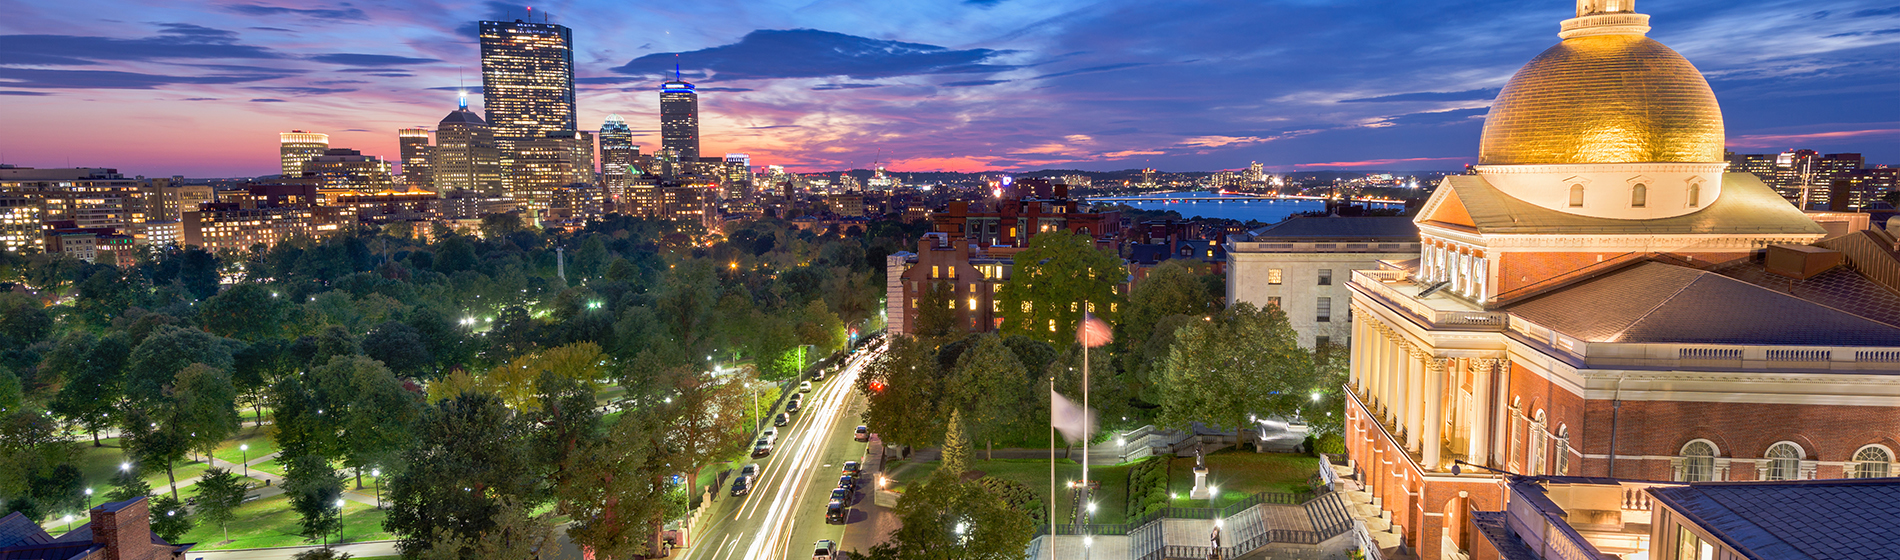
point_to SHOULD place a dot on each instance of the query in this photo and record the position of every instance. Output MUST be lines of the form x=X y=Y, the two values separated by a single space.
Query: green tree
x=936 y=311
x=126 y=485
x=170 y=518
x=196 y=412
x=944 y=518
x=707 y=419
x=989 y=387
x=220 y=492
x=93 y=369
x=617 y=490
x=956 y=446
x=1173 y=288
x=244 y=312
x=156 y=361
x=12 y=395
x=455 y=254
x=1055 y=280
x=324 y=553
x=515 y=534
x=901 y=390
x=1243 y=361
x=315 y=490
x=470 y=452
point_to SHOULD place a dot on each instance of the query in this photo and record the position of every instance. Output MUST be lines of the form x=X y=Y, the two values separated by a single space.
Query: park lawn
x=98 y=465
x=182 y=470
x=271 y=523
x=261 y=441
x=271 y=466
x=1111 y=501
x=1238 y=474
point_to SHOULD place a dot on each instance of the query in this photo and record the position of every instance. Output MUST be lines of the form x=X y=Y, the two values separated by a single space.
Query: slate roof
x=1840 y=288
x=1337 y=228
x=1663 y=303
x=16 y=529
x=1796 y=519
x=463 y=116
x=1746 y=206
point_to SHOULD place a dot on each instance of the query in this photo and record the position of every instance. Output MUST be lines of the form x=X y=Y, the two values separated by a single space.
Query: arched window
x=1639 y=196
x=1784 y=461
x=1538 y=443
x=1576 y=196
x=1563 y=451
x=1698 y=461
x=1695 y=194
x=1872 y=461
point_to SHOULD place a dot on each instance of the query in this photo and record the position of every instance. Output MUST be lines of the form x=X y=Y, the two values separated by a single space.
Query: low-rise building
x=1301 y=265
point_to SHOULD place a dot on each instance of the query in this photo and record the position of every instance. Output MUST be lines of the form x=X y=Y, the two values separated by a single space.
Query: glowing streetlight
x=69 y=523
x=245 y=449
x=88 y=498
x=125 y=467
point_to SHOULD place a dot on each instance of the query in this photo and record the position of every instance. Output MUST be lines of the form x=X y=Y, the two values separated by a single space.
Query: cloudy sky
x=200 y=88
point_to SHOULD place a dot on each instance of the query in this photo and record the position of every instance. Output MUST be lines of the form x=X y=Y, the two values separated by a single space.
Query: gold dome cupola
x=1601 y=113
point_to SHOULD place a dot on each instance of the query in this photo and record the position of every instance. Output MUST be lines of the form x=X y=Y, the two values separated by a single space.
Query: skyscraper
x=298 y=147
x=738 y=177
x=466 y=159
x=617 y=156
x=527 y=82
x=558 y=159
x=344 y=168
x=679 y=118
x=416 y=171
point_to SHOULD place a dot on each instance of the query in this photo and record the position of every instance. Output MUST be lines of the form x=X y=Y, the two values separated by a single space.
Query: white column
x=1394 y=381
x=1480 y=436
x=1434 y=410
x=1501 y=396
x=1356 y=367
x=1414 y=398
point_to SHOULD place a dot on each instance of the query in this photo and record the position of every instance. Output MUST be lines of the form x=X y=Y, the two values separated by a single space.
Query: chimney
x=125 y=528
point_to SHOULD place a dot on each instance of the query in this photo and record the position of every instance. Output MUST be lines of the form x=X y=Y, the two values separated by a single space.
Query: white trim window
x=1873 y=461
x=1538 y=435
x=1698 y=461
x=1784 y=461
x=1563 y=451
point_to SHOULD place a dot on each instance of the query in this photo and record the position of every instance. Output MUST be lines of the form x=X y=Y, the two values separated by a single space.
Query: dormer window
x=1639 y=196
x=1576 y=196
x=1695 y=195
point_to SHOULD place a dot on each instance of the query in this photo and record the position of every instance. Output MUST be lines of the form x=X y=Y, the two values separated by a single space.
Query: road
x=784 y=514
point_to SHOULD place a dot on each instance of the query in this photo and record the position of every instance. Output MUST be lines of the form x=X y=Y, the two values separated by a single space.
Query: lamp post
x=69 y=523
x=245 y=450
x=88 y=498
x=378 y=475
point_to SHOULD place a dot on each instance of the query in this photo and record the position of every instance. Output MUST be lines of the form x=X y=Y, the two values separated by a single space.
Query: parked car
x=741 y=485
x=848 y=482
x=863 y=434
x=762 y=448
x=781 y=419
x=751 y=469
x=769 y=435
x=852 y=468
x=791 y=406
x=835 y=511
x=826 y=550
x=841 y=495
x=804 y=387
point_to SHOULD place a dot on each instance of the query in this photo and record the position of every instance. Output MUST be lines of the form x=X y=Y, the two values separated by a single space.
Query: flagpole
x=1087 y=432
x=1052 y=463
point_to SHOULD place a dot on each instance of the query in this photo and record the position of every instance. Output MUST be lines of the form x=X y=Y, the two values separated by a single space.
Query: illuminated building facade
x=738 y=177
x=1021 y=209
x=344 y=168
x=618 y=157
x=417 y=173
x=466 y=159
x=556 y=160
x=679 y=119
x=527 y=83
x=298 y=147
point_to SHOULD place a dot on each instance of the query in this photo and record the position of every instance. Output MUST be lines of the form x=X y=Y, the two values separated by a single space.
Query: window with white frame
x=1698 y=461
x=1563 y=451
x=1784 y=461
x=1872 y=461
x=1537 y=443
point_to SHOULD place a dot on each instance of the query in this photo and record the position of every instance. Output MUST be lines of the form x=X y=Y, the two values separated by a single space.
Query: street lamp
x=88 y=498
x=378 y=475
x=245 y=449
x=69 y=523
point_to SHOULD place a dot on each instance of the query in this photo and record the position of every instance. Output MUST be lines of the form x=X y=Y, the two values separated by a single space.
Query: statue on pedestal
x=1201 y=490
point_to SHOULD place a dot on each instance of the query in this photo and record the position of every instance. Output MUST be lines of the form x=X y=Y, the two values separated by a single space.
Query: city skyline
x=984 y=85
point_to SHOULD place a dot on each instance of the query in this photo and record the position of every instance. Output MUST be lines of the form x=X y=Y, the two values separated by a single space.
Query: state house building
x=1604 y=298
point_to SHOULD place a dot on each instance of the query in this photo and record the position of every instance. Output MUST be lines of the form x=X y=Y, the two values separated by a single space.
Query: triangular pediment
x=1446 y=208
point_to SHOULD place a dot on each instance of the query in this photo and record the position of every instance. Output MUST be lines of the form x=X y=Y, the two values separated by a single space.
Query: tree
x=126 y=485
x=901 y=389
x=617 y=491
x=707 y=419
x=379 y=418
x=316 y=494
x=956 y=446
x=1243 y=361
x=94 y=388
x=945 y=518
x=196 y=412
x=989 y=387
x=1055 y=280
x=156 y=361
x=514 y=535
x=244 y=312
x=470 y=452
x=936 y=311
x=325 y=553
x=1173 y=288
x=220 y=492
x=170 y=518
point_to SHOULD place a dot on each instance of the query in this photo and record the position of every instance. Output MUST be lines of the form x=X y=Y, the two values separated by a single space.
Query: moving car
x=804 y=387
x=863 y=434
x=781 y=419
x=835 y=511
x=762 y=448
x=826 y=550
x=852 y=468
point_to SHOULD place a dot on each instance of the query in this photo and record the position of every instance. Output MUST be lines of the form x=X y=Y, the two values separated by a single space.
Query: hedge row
x=1147 y=487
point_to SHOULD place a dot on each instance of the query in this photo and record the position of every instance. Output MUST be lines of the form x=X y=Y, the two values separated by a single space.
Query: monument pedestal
x=1201 y=491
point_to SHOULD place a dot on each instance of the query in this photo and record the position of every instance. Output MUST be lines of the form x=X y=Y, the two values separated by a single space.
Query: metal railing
x=1362 y=539
x=1374 y=282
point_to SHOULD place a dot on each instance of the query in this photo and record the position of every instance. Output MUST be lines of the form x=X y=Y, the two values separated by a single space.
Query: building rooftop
x=1337 y=228
x=1746 y=207
x=1795 y=519
x=1653 y=302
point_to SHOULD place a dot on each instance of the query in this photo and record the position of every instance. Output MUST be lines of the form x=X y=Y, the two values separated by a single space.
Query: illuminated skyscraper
x=416 y=171
x=545 y=164
x=738 y=177
x=466 y=159
x=299 y=147
x=617 y=156
x=344 y=168
x=527 y=82
x=679 y=118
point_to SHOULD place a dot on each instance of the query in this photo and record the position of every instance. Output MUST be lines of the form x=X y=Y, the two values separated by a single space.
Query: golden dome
x=1609 y=98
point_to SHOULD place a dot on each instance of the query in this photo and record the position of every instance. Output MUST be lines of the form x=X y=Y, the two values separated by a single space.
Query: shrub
x=1147 y=487
x=1331 y=444
x=1018 y=496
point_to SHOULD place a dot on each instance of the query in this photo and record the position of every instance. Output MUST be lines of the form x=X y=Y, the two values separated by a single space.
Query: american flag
x=1093 y=332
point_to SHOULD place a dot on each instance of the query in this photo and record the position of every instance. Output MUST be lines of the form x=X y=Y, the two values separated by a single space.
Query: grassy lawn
x=1111 y=500
x=260 y=441
x=160 y=483
x=271 y=466
x=1238 y=474
x=270 y=522
x=97 y=465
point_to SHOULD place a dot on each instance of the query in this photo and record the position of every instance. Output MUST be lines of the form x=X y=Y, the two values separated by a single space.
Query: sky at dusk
x=201 y=89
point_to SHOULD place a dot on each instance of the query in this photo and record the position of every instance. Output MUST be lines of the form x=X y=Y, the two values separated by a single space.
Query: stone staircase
x=1360 y=504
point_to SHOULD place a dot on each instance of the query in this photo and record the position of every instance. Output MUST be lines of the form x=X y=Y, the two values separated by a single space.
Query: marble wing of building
x=1603 y=298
